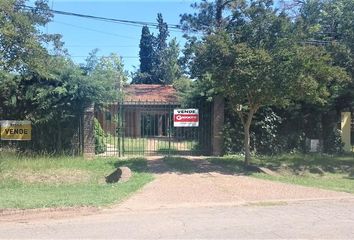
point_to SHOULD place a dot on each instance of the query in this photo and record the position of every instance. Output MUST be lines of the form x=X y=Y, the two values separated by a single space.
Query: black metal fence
x=54 y=137
x=147 y=128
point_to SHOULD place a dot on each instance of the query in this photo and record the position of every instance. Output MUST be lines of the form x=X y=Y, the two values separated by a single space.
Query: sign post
x=185 y=117
x=16 y=130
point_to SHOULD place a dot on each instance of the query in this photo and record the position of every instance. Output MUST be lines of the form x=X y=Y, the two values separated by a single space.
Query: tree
x=55 y=103
x=50 y=91
x=146 y=53
x=336 y=19
x=262 y=65
x=21 y=42
x=91 y=62
x=147 y=56
x=327 y=24
x=211 y=16
x=161 y=52
x=163 y=34
x=158 y=59
x=170 y=66
x=109 y=77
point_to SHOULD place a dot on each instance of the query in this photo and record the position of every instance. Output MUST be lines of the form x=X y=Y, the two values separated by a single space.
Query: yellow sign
x=16 y=130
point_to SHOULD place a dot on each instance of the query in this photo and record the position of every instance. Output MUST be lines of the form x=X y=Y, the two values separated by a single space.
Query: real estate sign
x=16 y=130
x=185 y=117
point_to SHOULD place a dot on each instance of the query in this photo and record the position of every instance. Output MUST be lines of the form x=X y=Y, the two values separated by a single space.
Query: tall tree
x=212 y=16
x=163 y=33
x=160 y=63
x=146 y=53
x=171 y=70
x=158 y=58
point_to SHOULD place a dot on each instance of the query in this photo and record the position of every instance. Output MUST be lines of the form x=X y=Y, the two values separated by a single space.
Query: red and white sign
x=185 y=117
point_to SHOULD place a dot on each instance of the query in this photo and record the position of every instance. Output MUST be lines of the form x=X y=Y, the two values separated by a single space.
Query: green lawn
x=336 y=182
x=135 y=145
x=186 y=145
x=139 y=146
x=297 y=168
x=129 y=144
x=37 y=182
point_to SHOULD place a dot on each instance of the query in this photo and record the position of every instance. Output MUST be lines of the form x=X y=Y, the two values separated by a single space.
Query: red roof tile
x=150 y=93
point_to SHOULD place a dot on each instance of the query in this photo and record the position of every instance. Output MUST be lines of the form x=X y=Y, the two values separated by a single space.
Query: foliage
x=265 y=132
x=100 y=136
x=146 y=53
x=21 y=41
x=109 y=77
x=168 y=69
x=158 y=59
x=253 y=56
x=54 y=103
x=333 y=142
x=183 y=86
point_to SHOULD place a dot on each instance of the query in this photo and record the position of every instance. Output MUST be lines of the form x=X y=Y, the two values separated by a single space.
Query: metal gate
x=147 y=128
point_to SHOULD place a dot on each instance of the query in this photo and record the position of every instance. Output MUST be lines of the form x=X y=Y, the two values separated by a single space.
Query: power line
x=82 y=56
x=114 y=20
x=94 y=30
x=95 y=46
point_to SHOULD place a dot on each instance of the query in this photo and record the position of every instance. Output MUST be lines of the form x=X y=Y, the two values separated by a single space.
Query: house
x=145 y=111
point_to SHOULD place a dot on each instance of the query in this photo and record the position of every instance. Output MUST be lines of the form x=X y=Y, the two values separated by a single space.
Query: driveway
x=210 y=186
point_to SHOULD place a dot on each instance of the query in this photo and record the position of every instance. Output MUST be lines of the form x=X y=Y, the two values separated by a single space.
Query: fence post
x=88 y=133
x=217 y=122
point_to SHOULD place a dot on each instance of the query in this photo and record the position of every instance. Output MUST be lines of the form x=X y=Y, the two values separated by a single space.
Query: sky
x=82 y=35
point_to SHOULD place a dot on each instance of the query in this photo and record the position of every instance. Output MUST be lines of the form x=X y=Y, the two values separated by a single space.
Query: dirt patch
x=57 y=176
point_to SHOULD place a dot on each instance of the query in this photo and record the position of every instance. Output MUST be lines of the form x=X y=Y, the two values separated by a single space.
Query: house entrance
x=154 y=124
x=148 y=128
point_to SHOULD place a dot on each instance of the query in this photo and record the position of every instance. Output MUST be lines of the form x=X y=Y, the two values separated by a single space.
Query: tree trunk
x=246 y=120
x=247 y=141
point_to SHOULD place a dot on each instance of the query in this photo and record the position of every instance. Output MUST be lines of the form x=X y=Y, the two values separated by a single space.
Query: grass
x=130 y=144
x=186 y=145
x=328 y=162
x=38 y=182
x=336 y=182
x=296 y=169
x=135 y=145
x=139 y=146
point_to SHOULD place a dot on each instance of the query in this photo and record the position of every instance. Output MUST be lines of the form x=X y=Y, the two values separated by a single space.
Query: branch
x=240 y=115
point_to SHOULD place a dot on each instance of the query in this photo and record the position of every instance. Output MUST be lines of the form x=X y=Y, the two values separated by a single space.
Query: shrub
x=100 y=145
x=333 y=142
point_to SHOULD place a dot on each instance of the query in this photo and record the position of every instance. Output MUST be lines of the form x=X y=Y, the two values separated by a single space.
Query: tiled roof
x=150 y=93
